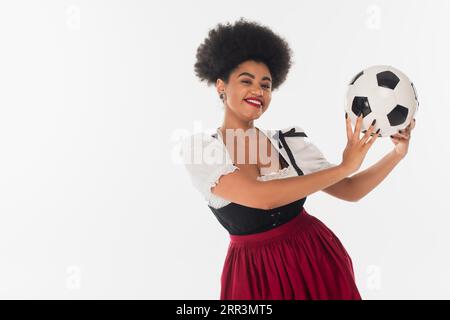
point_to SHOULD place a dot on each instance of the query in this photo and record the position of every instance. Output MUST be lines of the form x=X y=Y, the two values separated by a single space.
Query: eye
x=264 y=86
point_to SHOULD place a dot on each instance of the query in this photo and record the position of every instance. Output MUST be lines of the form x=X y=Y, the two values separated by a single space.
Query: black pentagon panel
x=361 y=104
x=398 y=115
x=387 y=79
x=356 y=77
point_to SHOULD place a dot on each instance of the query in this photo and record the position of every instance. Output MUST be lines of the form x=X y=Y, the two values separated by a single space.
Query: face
x=250 y=80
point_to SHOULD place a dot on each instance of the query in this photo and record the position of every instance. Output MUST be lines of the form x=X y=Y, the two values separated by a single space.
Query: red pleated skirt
x=299 y=260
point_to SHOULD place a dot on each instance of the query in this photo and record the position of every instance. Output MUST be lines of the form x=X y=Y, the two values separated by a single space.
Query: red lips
x=254 y=104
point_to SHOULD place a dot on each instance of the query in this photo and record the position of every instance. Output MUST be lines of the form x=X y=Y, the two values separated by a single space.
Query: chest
x=257 y=159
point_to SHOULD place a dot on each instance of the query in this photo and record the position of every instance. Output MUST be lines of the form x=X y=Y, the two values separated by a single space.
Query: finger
x=368 y=132
x=405 y=133
x=373 y=139
x=397 y=140
x=410 y=126
x=406 y=130
x=358 y=125
x=348 y=125
x=400 y=136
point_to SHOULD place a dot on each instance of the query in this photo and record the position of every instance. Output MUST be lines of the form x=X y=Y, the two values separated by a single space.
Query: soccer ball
x=385 y=94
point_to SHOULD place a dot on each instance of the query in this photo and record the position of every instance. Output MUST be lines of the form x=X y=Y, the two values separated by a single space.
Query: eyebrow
x=252 y=76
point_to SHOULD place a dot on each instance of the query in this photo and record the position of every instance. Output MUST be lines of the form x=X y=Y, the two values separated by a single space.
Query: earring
x=222 y=96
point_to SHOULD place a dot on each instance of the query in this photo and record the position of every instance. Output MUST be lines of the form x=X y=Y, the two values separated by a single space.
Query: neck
x=232 y=122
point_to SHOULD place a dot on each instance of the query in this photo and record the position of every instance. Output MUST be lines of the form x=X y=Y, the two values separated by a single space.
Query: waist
x=242 y=220
x=282 y=231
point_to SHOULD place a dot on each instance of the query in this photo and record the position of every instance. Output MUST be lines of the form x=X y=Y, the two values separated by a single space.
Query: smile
x=254 y=103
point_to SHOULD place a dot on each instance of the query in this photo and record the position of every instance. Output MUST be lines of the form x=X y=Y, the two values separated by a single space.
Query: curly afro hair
x=227 y=46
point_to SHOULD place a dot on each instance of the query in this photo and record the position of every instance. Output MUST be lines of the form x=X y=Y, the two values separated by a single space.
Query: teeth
x=254 y=101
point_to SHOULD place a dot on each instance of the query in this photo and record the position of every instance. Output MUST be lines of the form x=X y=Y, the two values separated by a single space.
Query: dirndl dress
x=299 y=257
x=299 y=260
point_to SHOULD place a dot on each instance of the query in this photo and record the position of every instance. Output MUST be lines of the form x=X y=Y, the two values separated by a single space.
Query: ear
x=220 y=86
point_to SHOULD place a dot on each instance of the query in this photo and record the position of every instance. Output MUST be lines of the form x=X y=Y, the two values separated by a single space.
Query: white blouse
x=206 y=159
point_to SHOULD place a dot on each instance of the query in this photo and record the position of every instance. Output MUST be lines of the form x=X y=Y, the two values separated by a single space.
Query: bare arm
x=241 y=189
x=359 y=185
x=341 y=190
x=283 y=191
x=365 y=181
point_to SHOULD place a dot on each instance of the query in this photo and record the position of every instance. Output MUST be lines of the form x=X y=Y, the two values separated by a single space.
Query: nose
x=257 y=91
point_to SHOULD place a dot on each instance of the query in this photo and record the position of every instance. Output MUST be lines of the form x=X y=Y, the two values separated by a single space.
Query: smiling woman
x=277 y=250
x=247 y=62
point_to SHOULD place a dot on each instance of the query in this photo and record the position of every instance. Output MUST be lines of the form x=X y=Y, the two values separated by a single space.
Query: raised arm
x=239 y=188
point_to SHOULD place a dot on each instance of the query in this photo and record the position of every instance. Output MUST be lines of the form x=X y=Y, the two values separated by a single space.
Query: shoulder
x=293 y=132
x=206 y=160
x=304 y=150
x=294 y=137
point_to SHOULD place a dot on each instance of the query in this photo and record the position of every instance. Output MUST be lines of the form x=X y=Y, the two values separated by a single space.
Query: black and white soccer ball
x=385 y=94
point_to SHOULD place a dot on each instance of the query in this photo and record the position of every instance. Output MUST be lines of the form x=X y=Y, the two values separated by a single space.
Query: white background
x=94 y=96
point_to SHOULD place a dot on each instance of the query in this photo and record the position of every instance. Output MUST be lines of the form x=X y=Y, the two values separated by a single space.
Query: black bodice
x=241 y=220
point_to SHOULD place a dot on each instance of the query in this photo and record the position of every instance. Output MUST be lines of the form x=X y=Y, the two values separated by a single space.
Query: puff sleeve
x=307 y=156
x=206 y=160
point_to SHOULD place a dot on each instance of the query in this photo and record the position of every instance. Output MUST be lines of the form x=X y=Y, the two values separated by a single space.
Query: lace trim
x=213 y=200
x=223 y=171
x=276 y=174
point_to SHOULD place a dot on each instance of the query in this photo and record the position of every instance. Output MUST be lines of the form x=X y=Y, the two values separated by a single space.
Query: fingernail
x=373 y=122
x=378 y=130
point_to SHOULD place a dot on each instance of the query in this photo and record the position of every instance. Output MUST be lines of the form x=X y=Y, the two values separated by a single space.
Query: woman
x=256 y=181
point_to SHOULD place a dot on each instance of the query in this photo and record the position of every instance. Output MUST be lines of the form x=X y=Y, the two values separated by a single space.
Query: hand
x=356 y=148
x=401 y=139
